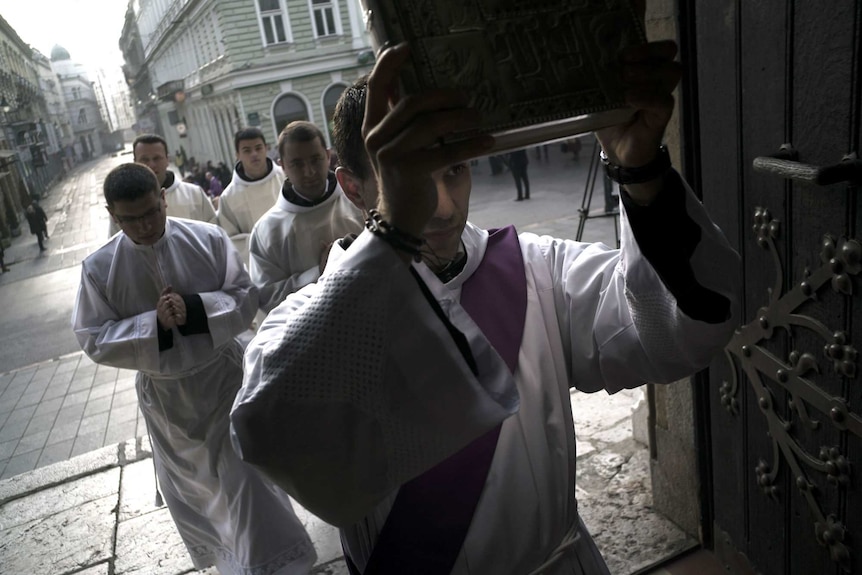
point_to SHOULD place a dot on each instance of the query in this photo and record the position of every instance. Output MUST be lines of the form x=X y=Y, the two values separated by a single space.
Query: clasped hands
x=171 y=309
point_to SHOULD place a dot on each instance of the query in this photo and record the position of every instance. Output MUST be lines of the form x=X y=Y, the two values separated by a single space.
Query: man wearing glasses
x=167 y=297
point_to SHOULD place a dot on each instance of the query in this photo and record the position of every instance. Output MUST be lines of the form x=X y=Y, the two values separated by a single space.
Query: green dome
x=59 y=53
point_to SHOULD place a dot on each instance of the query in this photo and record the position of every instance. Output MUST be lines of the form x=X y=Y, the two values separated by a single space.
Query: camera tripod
x=593 y=175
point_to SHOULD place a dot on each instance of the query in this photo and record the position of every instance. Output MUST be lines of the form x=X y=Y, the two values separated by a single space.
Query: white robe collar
x=475 y=242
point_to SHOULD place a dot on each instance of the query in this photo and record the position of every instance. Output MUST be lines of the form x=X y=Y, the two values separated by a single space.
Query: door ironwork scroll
x=840 y=258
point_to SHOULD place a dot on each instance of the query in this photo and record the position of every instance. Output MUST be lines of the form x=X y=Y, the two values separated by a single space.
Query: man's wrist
x=626 y=175
x=642 y=183
x=645 y=193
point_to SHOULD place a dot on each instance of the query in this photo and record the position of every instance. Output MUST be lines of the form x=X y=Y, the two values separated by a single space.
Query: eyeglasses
x=148 y=215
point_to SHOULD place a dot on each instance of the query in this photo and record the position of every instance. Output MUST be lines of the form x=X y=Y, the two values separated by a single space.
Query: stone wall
x=673 y=465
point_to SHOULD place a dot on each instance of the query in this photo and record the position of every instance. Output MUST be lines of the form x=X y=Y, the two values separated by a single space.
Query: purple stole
x=426 y=527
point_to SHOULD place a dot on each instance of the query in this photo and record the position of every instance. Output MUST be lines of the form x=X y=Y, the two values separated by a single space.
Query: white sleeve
x=268 y=272
x=231 y=309
x=228 y=222
x=207 y=211
x=106 y=338
x=620 y=325
x=354 y=386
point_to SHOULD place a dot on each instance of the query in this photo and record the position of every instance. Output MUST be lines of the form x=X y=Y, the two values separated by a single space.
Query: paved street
x=75 y=470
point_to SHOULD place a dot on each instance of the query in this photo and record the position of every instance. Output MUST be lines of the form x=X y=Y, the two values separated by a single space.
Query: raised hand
x=403 y=137
x=651 y=74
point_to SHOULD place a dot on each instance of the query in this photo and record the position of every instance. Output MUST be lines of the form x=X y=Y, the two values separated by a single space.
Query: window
x=82 y=116
x=325 y=16
x=330 y=99
x=288 y=108
x=274 y=24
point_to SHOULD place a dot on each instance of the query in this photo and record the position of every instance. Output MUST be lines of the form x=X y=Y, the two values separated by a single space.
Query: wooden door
x=782 y=426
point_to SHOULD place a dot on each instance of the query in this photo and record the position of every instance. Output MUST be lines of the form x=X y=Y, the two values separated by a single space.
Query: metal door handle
x=784 y=164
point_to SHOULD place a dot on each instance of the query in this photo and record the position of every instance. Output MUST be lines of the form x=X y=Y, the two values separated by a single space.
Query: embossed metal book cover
x=539 y=70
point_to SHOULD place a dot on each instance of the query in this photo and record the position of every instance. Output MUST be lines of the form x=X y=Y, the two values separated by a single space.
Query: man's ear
x=351 y=186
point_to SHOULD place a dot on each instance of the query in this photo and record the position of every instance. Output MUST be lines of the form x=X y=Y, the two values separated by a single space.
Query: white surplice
x=243 y=202
x=363 y=367
x=286 y=243
x=227 y=514
x=190 y=201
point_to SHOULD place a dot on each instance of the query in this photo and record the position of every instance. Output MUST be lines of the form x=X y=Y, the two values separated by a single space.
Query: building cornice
x=10 y=32
x=279 y=72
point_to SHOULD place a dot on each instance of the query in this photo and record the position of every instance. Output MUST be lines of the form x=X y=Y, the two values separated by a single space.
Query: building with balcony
x=22 y=155
x=216 y=66
x=58 y=134
x=137 y=76
x=85 y=115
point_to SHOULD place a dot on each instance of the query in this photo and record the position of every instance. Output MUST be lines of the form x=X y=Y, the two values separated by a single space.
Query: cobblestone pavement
x=76 y=490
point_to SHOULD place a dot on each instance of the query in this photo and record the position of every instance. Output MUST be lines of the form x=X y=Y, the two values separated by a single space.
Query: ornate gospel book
x=539 y=70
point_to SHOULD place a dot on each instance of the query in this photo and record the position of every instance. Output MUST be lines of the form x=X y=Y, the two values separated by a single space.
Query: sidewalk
x=95 y=514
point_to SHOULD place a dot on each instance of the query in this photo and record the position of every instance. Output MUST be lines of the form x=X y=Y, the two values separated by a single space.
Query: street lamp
x=4 y=105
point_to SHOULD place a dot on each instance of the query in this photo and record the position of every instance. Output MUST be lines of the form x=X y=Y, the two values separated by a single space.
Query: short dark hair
x=247 y=134
x=129 y=182
x=300 y=131
x=149 y=139
x=347 y=121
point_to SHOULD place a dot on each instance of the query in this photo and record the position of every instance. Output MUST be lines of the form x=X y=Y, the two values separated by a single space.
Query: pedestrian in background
x=215 y=188
x=254 y=188
x=289 y=244
x=38 y=224
x=185 y=200
x=518 y=161
x=3 y=267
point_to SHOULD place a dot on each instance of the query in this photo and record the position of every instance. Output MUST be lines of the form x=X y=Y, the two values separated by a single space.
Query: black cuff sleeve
x=166 y=337
x=196 y=316
x=458 y=337
x=667 y=237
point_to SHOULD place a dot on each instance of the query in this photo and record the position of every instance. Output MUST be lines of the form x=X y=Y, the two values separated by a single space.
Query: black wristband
x=400 y=240
x=657 y=168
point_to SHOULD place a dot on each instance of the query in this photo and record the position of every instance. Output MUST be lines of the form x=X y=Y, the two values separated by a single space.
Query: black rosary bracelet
x=398 y=239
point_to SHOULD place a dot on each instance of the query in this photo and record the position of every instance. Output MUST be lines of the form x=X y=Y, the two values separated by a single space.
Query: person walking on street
x=166 y=297
x=38 y=223
x=518 y=161
x=184 y=200
x=253 y=190
x=215 y=188
x=3 y=267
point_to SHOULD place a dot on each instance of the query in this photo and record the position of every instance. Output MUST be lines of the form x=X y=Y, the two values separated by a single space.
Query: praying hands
x=171 y=309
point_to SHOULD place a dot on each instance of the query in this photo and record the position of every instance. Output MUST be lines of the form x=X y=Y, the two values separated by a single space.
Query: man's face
x=443 y=232
x=154 y=157
x=143 y=220
x=252 y=156
x=306 y=165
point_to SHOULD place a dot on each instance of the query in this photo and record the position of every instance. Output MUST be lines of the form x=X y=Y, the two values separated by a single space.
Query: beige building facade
x=217 y=66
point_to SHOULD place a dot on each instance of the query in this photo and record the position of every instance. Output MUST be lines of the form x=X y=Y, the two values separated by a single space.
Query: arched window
x=330 y=99
x=288 y=108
